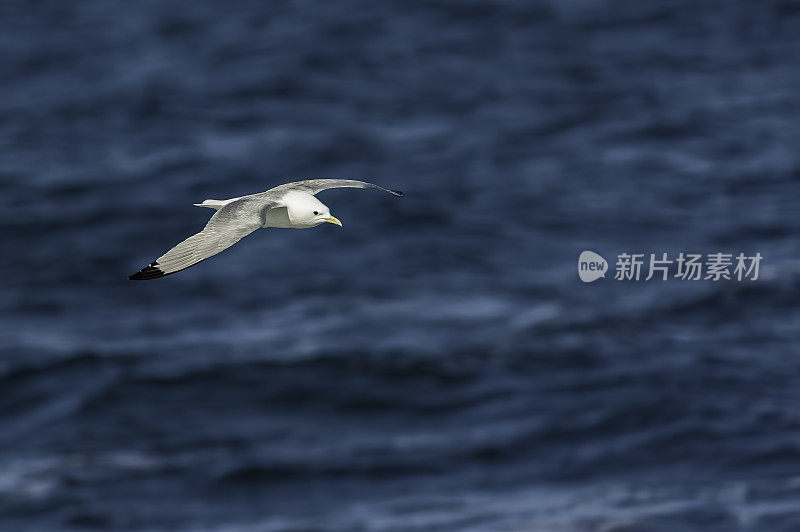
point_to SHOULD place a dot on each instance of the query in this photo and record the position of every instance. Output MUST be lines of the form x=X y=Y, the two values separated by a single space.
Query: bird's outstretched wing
x=230 y=224
x=312 y=186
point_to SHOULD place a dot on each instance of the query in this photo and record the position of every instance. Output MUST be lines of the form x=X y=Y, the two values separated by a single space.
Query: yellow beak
x=333 y=220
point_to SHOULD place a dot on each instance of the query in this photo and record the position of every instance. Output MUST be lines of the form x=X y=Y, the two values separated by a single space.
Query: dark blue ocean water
x=436 y=364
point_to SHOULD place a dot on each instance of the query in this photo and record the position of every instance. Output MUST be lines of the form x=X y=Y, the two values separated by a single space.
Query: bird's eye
x=316 y=213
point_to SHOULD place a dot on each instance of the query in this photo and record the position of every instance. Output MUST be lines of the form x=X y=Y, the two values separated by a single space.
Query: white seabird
x=291 y=205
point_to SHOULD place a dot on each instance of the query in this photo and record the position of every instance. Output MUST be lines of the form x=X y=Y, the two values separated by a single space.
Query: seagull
x=291 y=205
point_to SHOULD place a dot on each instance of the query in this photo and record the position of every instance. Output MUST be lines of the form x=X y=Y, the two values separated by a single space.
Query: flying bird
x=291 y=205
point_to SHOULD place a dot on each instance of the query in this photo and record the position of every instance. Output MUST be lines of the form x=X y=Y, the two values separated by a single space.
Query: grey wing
x=230 y=224
x=312 y=186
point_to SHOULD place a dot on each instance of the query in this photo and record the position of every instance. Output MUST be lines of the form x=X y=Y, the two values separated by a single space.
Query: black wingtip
x=397 y=193
x=149 y=272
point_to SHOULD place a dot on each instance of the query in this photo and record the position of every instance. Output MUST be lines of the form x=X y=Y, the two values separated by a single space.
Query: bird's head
x=305 y=210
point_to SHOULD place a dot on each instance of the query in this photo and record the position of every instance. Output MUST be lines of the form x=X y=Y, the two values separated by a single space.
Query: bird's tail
x=212 y=204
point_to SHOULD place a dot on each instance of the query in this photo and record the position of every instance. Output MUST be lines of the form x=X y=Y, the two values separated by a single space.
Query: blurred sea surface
x=436 y=364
